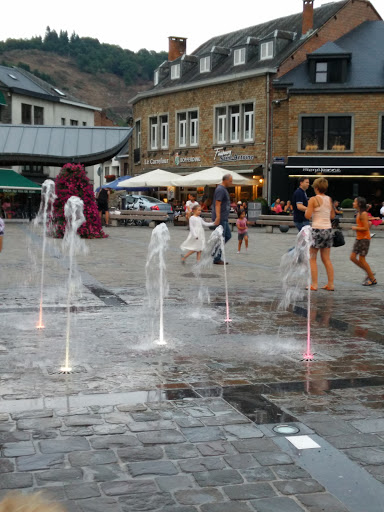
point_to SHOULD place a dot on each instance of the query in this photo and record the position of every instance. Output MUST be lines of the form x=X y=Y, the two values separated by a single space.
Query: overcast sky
x=145 y=23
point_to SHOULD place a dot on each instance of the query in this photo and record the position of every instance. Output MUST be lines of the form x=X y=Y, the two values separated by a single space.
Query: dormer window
x=332 y=71
x=266 y=50
x=205 y=64
x=175 y=71
x=239 y=57
x=156 y=77
x=321 y=72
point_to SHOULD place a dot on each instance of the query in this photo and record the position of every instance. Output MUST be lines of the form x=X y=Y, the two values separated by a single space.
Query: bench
x=269 y=221
x=153 y=217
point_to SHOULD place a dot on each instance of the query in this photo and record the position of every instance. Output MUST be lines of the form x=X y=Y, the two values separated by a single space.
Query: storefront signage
x=186 y=159
x=159 y=161
x=322 y=170
x=228 y=156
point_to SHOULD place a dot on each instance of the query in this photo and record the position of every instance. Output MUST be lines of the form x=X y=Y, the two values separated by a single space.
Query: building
x=28 y=100
x=214 y=106
x=333 y=110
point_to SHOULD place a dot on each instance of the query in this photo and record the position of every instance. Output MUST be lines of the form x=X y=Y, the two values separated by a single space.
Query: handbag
x=338 y=238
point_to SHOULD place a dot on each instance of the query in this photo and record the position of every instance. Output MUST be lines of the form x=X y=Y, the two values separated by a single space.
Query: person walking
x=1 y=233
x=242 y=231
x=190 y=204
x=363 y=238
x=300 y=204
x=102 y=204
x=320 y=209
x=196 y=238
x=220 y=212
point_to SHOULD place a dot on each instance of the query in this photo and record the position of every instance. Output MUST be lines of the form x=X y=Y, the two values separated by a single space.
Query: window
x=239 y=57
x=221 y=123
x=164 y=132
x=138 y=134
x=321 y=72
x=26 y=113
x=328 y=132
x=153 y=128
x=205 y=64
x=63 y=121
x=156 y=77
x=84 y=123
x=106 y=171
x=234 y=123
x=38 y=115
x=193 y=128
x=248 y=122
x=175 y=71
x=182 y=129
x=266 y=50
x=381 y=146
x=73 y=122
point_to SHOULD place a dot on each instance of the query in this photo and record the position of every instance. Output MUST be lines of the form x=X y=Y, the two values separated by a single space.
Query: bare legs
x=106 y=217
x=362 y=263
x=241 y=241
x=326 y=259
x=198 y=255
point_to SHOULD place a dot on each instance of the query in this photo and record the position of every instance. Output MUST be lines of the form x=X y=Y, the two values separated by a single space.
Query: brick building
x=332 y=115
x=214 y=106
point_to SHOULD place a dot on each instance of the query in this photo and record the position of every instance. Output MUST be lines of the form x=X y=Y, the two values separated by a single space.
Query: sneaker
x=372 y=234
x=238 y=252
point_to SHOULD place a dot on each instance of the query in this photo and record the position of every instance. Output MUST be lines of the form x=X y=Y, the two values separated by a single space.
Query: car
x=137 y=202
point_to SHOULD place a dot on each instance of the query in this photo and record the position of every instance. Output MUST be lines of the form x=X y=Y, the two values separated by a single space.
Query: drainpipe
x=266 y=165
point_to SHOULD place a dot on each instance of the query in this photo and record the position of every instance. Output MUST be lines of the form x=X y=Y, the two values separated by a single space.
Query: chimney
x=307 y=16
x=177 y=47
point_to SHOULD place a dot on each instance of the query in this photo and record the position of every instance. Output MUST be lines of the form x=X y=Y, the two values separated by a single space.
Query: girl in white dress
x=196 y=238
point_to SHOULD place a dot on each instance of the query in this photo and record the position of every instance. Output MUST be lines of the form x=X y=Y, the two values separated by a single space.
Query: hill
x=100 y=74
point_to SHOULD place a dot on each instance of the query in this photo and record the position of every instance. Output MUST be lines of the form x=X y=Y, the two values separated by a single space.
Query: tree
x=73 y=181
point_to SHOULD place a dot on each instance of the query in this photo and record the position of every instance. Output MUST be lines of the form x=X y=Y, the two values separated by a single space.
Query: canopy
x=11 y=181
x=156 y=178
x=116 y=184
x=211 y=176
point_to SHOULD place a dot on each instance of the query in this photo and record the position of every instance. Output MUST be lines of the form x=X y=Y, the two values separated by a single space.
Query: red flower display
x=73 y=181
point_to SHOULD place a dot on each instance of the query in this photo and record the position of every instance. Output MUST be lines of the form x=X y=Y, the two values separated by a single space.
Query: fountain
x=73 y=244
x=296 y=275
x=156 y=283
x=215 y=243
x=48 y=197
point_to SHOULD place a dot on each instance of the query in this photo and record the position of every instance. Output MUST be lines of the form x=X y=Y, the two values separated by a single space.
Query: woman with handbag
x=320 y=209
x=363 y=238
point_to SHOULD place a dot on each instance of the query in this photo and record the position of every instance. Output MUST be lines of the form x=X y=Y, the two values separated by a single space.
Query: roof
x=365 y=71
x=329 y=49
x=286 y=31
x=12 y=181
x=23 y=82
x=58 y=145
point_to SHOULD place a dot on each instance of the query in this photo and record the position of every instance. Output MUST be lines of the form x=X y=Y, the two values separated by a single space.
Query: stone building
x=332 y=109
x=215 y=106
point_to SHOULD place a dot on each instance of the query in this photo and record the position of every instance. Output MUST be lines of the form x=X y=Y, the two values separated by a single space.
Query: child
x=242 y=230
x=196 y=238
x=363 y=237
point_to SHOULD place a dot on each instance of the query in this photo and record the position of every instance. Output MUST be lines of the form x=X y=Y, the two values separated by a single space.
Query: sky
x=148 y=23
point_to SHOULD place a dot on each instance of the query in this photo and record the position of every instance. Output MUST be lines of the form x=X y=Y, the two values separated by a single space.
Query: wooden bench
x=271 y=221
x=153 y=217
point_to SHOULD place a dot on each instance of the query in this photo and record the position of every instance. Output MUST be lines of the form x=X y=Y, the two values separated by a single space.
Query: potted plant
x=348 y=211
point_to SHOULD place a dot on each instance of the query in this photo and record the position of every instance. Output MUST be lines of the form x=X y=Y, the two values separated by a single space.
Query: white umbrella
x=156 y=178
x=212 y=176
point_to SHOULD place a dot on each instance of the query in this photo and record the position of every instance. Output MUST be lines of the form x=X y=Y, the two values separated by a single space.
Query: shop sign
x=322 y=170
x=228 y=156
x=186 y=159
x=159 y=161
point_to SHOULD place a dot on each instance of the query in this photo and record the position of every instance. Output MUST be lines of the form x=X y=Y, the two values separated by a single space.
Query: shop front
x=19 y=197
x=348 y=177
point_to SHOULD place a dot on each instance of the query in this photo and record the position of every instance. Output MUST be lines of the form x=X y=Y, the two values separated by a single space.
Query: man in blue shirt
x=221 y=206
x=300 y=203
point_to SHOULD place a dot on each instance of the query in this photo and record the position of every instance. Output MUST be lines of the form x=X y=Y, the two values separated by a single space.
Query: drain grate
x=59 y=371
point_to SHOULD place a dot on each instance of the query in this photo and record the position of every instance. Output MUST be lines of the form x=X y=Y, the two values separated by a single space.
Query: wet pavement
x=189 y=427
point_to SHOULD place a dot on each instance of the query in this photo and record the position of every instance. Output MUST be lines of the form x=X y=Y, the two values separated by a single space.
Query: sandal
x=312 y=288
x=369 y=282
x=326 y=287
x=182 y=260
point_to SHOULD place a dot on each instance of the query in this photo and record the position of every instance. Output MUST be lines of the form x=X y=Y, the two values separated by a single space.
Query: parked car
x=145 y=203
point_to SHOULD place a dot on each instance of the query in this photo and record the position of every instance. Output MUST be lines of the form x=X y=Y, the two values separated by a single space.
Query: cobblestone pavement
x=188 y=427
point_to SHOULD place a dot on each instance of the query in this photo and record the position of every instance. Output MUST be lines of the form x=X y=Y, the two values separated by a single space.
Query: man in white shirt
x=382 y=210
x=190 y=204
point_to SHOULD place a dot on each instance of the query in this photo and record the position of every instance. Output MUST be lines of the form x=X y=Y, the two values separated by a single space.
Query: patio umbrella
x=156 y=178
x=116 y=185
x=211 y=176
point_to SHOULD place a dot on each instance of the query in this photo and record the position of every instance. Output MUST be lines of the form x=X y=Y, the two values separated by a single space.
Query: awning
x=11 y=181
x=336 y=167
x=2 y=99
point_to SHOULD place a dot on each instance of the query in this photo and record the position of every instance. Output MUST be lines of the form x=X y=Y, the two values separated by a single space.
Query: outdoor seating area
x=129 y=217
